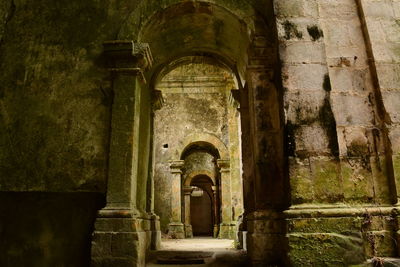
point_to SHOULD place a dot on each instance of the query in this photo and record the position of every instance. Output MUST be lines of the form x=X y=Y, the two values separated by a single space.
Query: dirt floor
x=197 y=252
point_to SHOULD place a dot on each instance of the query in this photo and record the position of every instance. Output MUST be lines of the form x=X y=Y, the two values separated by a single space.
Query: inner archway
x=197 y=132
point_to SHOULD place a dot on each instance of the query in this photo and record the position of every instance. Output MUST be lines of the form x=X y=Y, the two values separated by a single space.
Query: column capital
x=176 y=166
x=187 y=190
x=223 y=164
x=127 y=57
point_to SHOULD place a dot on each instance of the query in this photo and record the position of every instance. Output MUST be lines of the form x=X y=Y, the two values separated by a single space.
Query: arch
x=220 y=28
x=146 y=10
x=201 y=57
x=202 y=138
x=194 y=174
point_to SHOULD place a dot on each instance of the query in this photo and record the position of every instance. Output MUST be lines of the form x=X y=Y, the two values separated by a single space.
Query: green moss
x=327 y=184
x=359 y=150
x=291 y=30
x=315 y=32
x=357 y=182
x=324 y=249
x=301 y=184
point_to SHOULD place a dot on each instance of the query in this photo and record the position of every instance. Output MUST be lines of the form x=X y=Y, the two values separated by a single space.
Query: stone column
x=118 y=237
x=175 y=228
x=227 y=226
x=215 y=206
x=187 y=190
x=157 y=103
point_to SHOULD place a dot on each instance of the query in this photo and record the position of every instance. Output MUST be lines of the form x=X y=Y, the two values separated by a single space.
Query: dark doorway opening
x=202 y=206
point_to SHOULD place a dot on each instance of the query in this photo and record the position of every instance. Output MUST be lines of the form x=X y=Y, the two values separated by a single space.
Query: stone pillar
x=175 y=228
x=215 y=207
x=118 y=237
x=227 y=226
x=157 y=103
x=187 y=190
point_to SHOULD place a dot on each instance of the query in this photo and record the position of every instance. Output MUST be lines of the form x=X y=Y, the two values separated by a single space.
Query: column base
x=265 y=238
x=176 y=230
x=188 y=231
x=227 y=231
x=119 y=239
x=216 y=230
x=155 y=232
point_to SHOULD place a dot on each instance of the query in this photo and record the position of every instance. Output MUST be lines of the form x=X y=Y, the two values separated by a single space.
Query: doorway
x=202 y=206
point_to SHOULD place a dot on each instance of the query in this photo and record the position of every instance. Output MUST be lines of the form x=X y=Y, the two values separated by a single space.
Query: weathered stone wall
x=382 y=22
x=55 y=96
x=337 y=123
x=55 y=107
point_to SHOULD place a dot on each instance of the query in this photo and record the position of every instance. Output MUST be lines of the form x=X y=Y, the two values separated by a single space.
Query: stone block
x=354 y=140
x=176 y=230
x=301 y=182
x=382 y=222
x=325 y=249
x=375 y=30
x=352 y=110
x=391 y=28
x=357 y=178
x=306 y=77
x=349 y=80
x=117 y=225
x=302 y=107
x=377 y=9
x=380 y=244
x=327 y=184
x=343 y=9
x=389 y=76
x=101 y=244
x=391 y=100
x=262 y=248
x=302 y=52
x=386 y=52
x=342 y=225
x=125 y=244
x=383 y=192
x=289 y=8
x=227 y=231
x=335 y=35
x=308 y=145
x=394 y=136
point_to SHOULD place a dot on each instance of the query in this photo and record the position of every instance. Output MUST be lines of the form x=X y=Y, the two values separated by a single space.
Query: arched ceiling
x=196 y=29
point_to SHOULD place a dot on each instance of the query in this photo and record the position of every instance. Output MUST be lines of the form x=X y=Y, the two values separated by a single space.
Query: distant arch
x=202 y=138
x=194 y=174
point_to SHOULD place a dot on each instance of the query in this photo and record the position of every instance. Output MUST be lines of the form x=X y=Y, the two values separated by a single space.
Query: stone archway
x=242 y=46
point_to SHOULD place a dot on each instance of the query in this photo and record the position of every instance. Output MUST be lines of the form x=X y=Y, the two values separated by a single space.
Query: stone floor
x=197 y=252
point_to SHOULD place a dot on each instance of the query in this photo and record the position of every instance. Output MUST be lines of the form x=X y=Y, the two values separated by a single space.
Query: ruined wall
x=196 y=102
x=337 y=138
x=55 y=102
